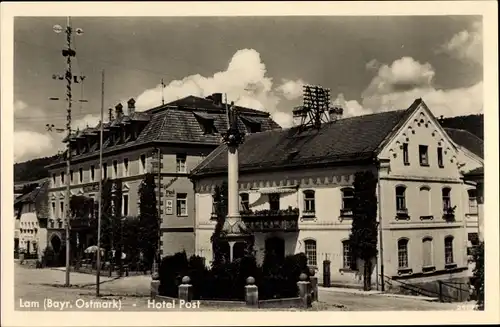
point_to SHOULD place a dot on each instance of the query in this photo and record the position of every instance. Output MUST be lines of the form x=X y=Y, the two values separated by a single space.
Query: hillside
x=35 y=169
x=32 y=170
x=471 y=123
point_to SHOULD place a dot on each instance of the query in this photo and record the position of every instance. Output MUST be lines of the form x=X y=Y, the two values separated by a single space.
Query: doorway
x=275 y=248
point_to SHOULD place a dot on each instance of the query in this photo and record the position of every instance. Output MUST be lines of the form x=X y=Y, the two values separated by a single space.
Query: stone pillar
x=155 y=285
x=251 y=293
x=314 y=286
x=231 y=252
x=233 y=212
x=186 y=289
x=304 y=291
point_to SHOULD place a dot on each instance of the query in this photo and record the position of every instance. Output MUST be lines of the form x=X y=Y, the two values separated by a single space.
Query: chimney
x=441 y=119
x=131 y=106
x=110 y=114
x=217 y=98
x=119 y=111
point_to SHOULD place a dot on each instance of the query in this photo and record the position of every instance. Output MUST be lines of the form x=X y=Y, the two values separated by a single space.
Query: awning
x=276 y=190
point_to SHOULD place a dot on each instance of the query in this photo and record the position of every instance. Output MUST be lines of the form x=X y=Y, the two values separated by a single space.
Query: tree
x=220 y=199
x=363 y=237
x=107 y=215
x=479 y=275
x=148 y=219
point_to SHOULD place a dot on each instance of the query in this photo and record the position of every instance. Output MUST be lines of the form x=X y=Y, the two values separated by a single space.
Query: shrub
x=172 y=269
x=52 y=259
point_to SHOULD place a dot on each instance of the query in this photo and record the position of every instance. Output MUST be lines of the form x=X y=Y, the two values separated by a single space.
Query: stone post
x=251 y=293
x=326 y=273
x=155 y=285
x=304 y=291
x=314 y=285
x=186 y=289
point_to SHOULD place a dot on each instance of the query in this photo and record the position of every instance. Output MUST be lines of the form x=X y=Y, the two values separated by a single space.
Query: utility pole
x=101 y=127
x=68 y=53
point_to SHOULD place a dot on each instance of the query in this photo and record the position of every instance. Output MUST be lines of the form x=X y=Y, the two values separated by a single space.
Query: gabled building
x=296 y=195
x=184 y=131
x=31 y=216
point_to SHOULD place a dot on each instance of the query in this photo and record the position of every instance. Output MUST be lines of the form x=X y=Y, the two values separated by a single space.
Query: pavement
x=38 y=285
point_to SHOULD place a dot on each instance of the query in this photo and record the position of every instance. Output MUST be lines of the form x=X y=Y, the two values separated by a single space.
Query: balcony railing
x=272 y=220
x=402 y=214
x=449 y=213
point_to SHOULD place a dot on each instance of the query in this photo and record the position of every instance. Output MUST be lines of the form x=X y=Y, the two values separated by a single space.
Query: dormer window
x=252 y=125
x=206 y=123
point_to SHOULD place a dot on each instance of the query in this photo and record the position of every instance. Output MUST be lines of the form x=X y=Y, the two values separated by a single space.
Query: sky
x=370 y=64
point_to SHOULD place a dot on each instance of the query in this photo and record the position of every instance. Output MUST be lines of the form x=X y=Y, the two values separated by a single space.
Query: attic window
x=252 y=125
x=206 y=123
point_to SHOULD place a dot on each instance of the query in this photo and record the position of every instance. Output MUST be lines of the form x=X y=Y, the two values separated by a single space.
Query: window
x=63 y=174
x=401 y=200
x=448 y=250
x=115 y=168
x=423 y=155
x=125 y=167
x=406 y=157
x=92 y=173
x=427 y=252
x=181 y=204
x=71 y=176
x=348 y=258
x=181 y=163
x=80 y=175
x=425 y=202
x=446 y=198
x=472 y=201
x=347 y=201
x=310 y=246
x=54 y=213
x=473 y=242
x=309 y=202
x=142 y=164
x=125 y=205
x=61 y=207
x=403 y=253
x=104 y=170
x=274 y=202
x=54 y=179
x=440 y=157
x=245 y=202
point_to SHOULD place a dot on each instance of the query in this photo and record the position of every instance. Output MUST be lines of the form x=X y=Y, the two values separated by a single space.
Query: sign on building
x=169 y=207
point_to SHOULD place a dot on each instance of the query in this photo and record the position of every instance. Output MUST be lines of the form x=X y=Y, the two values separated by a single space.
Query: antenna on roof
x=316 y=108
x=162 y=87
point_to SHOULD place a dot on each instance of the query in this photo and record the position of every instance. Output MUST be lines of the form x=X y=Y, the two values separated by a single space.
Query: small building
x=184 y=132
x=296 y=190
x=31 y=221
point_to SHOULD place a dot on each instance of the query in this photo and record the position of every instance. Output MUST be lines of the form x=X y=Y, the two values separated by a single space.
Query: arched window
x=309 y=202
x=448 y=250
x=310 y=249
x=347 y=201
x=425 y=201
x=349 y=260
x=472 y=193
x=401 y=199
x=446 y=196
x=403 y=253
x=245 y=202
x=427 y=252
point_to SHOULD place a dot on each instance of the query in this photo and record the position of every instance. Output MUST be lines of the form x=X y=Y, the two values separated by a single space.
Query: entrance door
x=275 y=247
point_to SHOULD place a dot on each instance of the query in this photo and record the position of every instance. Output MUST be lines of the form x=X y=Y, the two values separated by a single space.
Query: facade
x=296 y=195
x=184 y=131
x=30 y=235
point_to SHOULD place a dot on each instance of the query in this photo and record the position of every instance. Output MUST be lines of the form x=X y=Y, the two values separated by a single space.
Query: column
x=233 y=189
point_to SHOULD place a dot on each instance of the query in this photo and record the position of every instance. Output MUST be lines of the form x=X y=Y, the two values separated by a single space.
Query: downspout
x=380 y=237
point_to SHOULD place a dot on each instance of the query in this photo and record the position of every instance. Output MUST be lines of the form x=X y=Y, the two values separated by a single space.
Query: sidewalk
x=375 y=292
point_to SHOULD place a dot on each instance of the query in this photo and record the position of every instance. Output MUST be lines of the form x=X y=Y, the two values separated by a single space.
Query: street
x=39 y=289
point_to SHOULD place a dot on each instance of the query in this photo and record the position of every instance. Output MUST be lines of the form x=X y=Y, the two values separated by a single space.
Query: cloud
x=29 y=145
x=466 y=45
x=290 y=89
x=245 y=81
x=372 y=64
x=397 y=85
x=86 y=121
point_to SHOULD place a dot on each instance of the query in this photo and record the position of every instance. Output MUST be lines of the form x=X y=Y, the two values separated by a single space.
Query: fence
x=444 y=291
